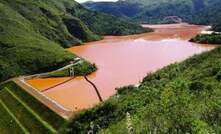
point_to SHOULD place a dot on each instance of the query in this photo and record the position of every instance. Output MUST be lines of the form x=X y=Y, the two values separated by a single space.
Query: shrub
x=196 y=86
x=125 y=90
x=218 y=76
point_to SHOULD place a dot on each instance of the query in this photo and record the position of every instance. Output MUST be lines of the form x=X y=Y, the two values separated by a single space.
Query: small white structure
x=71 y=71
x=77 y=59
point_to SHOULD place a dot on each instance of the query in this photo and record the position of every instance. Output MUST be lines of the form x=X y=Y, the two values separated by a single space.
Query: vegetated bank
x=207 y=39
x=33 y=33
x=180 y=98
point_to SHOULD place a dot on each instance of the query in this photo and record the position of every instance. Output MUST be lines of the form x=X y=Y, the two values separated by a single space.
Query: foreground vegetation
x=33 y=33
x=22 y=113
x=181 y=98
x=207 y=39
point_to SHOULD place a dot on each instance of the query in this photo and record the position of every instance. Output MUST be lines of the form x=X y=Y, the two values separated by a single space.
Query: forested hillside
x=212 y=15
x=33 y=33
x=119 y=9
x=155 y=11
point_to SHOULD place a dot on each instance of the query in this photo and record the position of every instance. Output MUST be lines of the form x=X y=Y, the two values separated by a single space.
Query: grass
x=56 y=121
x=22 y=114
x=180 y=98
x=8 y=120
x=45 y=124
x=27 y=113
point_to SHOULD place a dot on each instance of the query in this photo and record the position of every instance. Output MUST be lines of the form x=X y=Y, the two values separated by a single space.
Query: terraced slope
x=24 y=114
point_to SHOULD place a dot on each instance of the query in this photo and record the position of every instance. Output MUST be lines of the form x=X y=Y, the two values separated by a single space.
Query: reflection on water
x=125 y=60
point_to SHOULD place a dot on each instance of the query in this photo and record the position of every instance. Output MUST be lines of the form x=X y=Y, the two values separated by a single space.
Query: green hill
x=33 y=33
x=204 y=12
x=154 y=11
x=148 y=11
x=119 y=9
x=211 y=15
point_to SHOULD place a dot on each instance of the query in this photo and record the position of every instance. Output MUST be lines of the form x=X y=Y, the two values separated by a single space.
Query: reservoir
x=122 y=61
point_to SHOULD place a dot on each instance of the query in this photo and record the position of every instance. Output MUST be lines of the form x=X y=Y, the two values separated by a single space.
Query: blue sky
x=93 y=0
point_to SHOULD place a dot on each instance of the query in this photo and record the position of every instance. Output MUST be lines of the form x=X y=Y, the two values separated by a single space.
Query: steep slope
x=104 y=24
x=33 y=32
x=48 y=19
x=22 y=49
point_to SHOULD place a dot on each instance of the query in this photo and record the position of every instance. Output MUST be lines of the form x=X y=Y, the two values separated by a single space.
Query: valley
x=123 y=67
x=122 y=61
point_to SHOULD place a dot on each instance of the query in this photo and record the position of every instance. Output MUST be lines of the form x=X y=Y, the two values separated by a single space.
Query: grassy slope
x=29 y=113
x=181 y=98
x=33 y=31
x=22 y=50
x=50 y=19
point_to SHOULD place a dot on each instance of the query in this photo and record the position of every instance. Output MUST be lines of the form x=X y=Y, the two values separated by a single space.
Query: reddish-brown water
x=123 y=61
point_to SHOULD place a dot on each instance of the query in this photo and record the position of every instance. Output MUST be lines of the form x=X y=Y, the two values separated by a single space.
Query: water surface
x=123 y=60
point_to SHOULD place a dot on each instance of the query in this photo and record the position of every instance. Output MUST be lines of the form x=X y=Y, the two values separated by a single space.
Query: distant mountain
x=33 y=32
x=157 y=11
x=211 y=15
x=119 y=9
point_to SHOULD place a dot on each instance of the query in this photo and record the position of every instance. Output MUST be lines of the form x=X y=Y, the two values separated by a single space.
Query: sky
x=80 y=1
